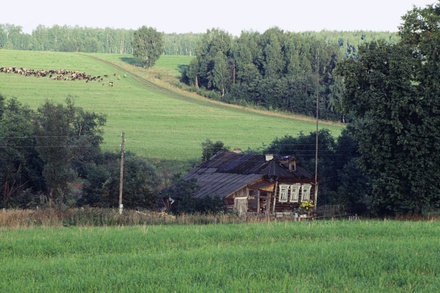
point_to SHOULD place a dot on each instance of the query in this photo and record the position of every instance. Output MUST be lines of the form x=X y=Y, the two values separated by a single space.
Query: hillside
x=159 y=120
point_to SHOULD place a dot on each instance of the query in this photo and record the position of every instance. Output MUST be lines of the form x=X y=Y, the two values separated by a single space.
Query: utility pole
x=121 y=175
x=315 y=202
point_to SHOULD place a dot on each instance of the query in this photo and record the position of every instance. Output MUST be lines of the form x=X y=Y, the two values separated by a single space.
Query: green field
x=159 y=121
x=323 y=256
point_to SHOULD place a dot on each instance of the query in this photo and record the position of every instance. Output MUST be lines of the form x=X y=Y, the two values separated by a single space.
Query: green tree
x=40 y=37
x=353 y=186
x=292 y=53
x=393 y=92
x=221 y=78
x=275 y=70
x=52 y=133
x=274 y=62
x=210 y=148
x=191 y=74
x=181 y=44
x=247 y=53
x=182 y=193
x=335 y=96
x=64 y=135
x=15 y=39
x=97 y=175
x=147 y=45
x=342 y=181
x=140 y=183
x=214 y=43
x=303 y=148
x=20 y=166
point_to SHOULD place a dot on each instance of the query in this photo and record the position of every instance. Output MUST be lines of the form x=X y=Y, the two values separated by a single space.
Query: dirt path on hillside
x=134 y=75
x=194 y=98
x=172 y=91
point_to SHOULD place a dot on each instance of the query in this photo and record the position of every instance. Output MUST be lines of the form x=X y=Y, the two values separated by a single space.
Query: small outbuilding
x=255 y=183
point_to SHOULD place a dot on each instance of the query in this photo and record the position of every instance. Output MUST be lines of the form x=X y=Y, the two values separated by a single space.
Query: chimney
x=269 y=157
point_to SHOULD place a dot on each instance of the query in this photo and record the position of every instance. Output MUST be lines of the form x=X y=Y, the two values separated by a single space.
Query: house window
x=294 y=192
x=305 y=192
x=284 y=189
x=241 y=205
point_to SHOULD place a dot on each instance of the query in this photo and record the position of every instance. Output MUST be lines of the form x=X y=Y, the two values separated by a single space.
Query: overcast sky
x=233 y=16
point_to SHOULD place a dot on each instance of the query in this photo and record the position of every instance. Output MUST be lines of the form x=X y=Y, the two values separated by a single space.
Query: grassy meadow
x=320 y=256
x=159 y=121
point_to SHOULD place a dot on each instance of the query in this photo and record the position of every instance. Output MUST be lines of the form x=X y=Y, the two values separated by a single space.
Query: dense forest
x=119 y=41
x=91 y=40
x=277 y=70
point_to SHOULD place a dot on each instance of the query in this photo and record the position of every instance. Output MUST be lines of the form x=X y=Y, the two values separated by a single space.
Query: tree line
x=276 y=69
x=110 y=40
x=92 y=40
x=392 y=91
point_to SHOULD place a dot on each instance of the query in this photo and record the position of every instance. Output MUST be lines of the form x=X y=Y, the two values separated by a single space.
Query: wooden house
x=255 y=183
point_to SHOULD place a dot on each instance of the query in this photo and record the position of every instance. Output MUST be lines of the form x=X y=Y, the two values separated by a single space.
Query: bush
x=183 y=191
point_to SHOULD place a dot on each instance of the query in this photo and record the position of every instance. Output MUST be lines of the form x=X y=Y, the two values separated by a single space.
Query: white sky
x=232 y=16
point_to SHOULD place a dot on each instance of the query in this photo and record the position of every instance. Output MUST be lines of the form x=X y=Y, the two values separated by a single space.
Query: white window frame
x=305 y=192
x=241 y=205
x=284 y=193
x=294 y=192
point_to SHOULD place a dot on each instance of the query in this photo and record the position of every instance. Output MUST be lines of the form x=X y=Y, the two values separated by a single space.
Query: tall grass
x=322 y=256
x=159 y=121
x=55 y=218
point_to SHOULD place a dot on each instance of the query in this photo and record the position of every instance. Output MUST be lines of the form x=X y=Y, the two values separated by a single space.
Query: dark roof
x=227 y=172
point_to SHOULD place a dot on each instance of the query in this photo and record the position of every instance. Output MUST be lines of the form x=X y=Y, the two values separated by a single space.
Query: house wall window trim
x=305 y=192
x=241 y=204
x=284 y=193
x=294 y=192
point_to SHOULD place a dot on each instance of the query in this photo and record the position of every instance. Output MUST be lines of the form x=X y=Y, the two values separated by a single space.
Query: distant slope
x=159 y=121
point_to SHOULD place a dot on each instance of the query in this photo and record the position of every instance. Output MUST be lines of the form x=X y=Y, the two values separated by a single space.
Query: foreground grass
x=362 y=256
x=159 y=121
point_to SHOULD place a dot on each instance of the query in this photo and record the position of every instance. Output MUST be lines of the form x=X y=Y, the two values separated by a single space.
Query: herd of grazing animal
x=56 y=74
